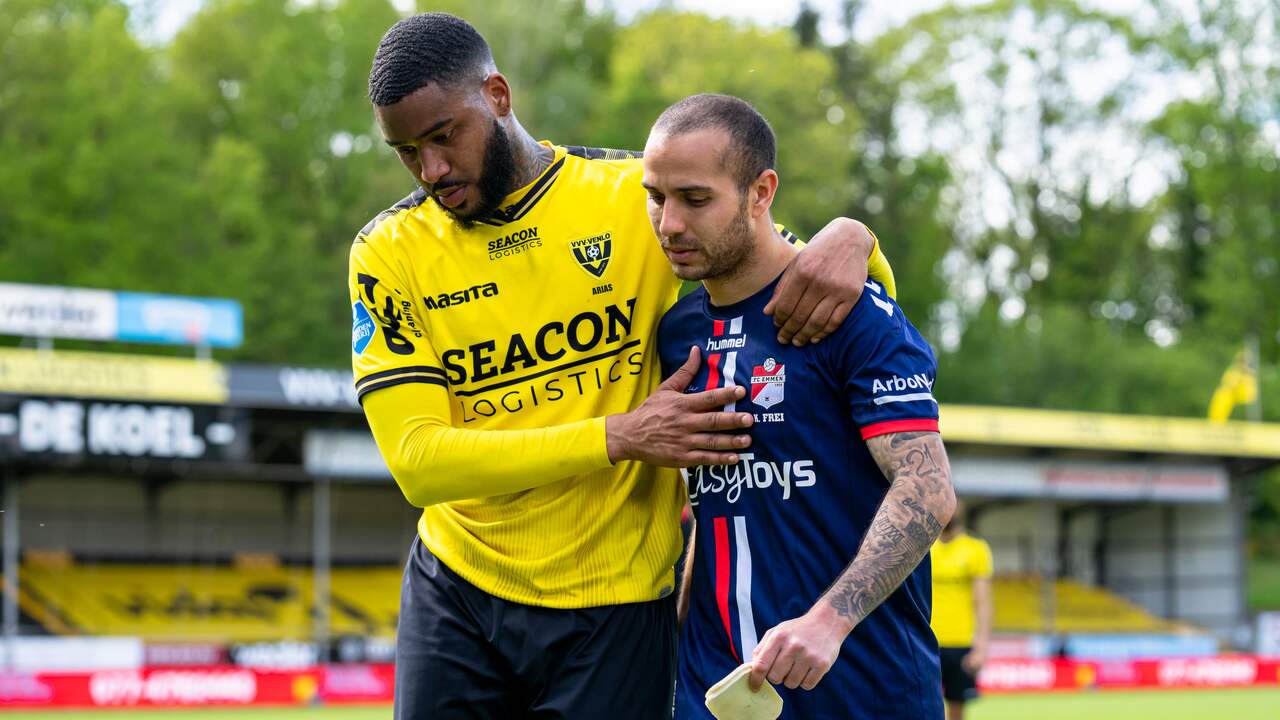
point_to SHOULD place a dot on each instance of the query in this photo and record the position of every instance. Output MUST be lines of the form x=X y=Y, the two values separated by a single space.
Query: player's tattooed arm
x=919 y=503
x=800 y=651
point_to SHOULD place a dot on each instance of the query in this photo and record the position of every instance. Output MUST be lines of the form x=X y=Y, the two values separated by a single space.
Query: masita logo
x=459 y=297
x=361 y=328
x=520 y=241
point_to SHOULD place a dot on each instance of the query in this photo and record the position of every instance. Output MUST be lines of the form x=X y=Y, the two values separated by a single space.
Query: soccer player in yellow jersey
x=503 y=323
x=962 y=609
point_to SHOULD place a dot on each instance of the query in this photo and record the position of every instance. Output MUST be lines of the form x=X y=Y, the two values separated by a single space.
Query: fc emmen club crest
x=593 y=253
x=767 y=383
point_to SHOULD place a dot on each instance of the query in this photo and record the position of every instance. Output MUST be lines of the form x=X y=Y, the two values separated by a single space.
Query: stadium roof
x=1023 y=427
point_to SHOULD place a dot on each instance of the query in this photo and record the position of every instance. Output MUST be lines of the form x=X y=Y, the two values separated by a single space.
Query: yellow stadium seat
x=208 y=603
x=261 y=601
x=1077 y=608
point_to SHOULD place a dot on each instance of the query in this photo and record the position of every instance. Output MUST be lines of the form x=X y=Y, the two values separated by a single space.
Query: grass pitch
x=1244 y=704
x=1233 y=704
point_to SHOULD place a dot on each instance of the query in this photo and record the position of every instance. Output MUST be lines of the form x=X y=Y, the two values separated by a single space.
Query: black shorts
x=958 y=684
x=462 y=653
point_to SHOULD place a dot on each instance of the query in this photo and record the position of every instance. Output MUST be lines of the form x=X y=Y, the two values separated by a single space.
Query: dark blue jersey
x=775 y=530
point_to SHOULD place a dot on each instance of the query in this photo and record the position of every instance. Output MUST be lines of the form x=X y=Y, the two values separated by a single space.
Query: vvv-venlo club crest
x=767 y=383
x=593 y=253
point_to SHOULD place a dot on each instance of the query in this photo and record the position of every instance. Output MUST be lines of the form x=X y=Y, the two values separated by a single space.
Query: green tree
x=89 y=181
x=555 y=53
x=270 y=99
x=666 y=56
x=898 y=192
x=1221 y=206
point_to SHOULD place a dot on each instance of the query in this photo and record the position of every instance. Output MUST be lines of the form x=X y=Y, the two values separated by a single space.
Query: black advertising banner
x=33 y=428
x=295 y=388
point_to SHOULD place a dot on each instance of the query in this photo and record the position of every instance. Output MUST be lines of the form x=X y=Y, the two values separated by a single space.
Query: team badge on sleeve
x=767 y=383
x=361 y=328
x=592 y=253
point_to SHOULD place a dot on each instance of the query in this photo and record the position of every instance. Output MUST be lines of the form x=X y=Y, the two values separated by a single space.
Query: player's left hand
x=974 y=660
x=798 y=652
x=822 y=284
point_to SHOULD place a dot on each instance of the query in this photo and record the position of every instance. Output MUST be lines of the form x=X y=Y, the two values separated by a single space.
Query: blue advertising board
x=175 y=320
x=48 y=311
x=1139 y=646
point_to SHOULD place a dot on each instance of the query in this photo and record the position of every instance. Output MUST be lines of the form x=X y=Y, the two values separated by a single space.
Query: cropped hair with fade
x=422 y=49
x=752 y=147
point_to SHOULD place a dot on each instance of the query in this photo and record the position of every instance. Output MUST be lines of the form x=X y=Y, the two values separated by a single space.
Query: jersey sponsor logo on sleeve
x=768 y=381
x=394 y=313
x=361 y=328
x=593 y=253
x=515 y=243
x=895 y=389
x=459 y=297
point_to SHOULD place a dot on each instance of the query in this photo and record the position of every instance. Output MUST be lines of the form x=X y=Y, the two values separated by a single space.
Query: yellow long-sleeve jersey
x=487 y=358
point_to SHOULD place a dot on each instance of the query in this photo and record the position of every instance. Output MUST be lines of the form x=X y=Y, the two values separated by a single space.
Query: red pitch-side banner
x=357 y=683
x=1032 y=675
x=370 y=683
x=202 y=686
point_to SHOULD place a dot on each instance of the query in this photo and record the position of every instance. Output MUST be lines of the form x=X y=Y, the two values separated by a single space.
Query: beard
x=497 y=179
x=728 y=251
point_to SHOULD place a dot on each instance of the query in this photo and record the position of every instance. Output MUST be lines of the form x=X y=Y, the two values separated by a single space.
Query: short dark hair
x=752 y=147
x=423 y=49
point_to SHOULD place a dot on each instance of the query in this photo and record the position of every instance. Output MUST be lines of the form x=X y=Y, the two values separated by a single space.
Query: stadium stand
x=206 y=603
x=1077 y=608
x=261 y=602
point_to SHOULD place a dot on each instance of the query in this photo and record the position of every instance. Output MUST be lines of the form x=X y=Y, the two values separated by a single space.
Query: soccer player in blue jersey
x=807 y=552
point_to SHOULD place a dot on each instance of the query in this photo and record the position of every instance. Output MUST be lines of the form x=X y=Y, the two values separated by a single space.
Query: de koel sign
x=106 y=429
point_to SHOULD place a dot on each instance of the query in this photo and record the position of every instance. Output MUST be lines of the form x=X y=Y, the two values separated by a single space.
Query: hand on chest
x=771 y=373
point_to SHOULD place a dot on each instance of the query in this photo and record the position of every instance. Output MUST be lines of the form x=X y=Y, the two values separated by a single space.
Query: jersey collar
x=519 y=203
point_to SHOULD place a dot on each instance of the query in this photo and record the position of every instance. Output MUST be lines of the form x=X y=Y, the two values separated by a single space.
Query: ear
x=497 y=93
x=761 y=193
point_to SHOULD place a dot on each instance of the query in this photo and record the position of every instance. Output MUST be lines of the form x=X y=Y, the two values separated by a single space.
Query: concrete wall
x=1199 y=578
x=194 y=519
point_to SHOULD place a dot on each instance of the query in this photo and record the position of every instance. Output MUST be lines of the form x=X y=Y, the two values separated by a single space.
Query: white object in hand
x=732 y=698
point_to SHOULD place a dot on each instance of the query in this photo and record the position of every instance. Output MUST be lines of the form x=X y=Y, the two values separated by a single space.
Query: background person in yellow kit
x=962 y=610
